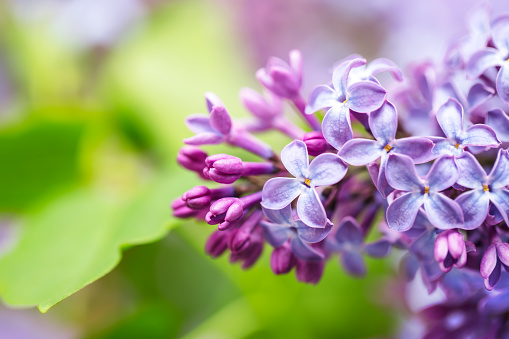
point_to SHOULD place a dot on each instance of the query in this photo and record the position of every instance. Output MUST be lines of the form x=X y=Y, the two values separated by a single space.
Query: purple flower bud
x=282 y=79
x=241 y=237
x=217 y=243
x=223 y=168
x=309 y=271
x=315 y=142
x=282 y=259
x=225 y=212
x=197 y=197
x=192 y=158
x=260 y=106
x=180 y=209
x=250 y=254
x=450 y=250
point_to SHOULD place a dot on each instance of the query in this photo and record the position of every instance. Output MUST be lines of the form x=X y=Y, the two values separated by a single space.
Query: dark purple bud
x=309 y=271
x=282 y=259
x=217 y=243
x=315 y=143
x=225 y=212
x=197 y=197
x=180 y=209
x=241 y=237
x=223 y=168
x=192 y=158
x=251 y=253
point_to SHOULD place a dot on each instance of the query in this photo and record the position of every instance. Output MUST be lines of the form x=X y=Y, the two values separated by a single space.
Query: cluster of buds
x=424 y=168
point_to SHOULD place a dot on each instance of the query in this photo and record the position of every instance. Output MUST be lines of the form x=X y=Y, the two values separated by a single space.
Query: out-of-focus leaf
x=36 y=160
x=78 y=238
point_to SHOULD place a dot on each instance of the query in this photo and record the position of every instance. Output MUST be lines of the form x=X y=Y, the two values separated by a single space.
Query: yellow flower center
x=388 y=148
x=344 y=102
x=426 y=189
x=485 y=188
x=307 y=182
x=457 y=145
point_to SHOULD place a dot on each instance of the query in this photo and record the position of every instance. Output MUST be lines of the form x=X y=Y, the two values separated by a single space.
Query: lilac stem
x=251 y=144
x=312 y=120
x=287 y=127
x=251 y=200
x=217 y=193
x=257 y=168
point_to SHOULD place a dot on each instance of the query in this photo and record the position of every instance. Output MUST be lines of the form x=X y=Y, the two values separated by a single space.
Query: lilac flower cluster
x=430 y=180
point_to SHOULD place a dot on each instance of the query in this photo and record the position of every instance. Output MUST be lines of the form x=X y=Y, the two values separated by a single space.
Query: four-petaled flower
x=362 y=97
x=442 y=211
x=326 y=169
x=485 y=188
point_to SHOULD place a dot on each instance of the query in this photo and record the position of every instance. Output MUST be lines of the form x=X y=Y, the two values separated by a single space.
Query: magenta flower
x=442 y=211
x=326 y=169
x=485 y=188
x=362 y=96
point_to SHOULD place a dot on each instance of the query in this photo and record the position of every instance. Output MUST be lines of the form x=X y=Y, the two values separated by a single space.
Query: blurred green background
x=90 y=125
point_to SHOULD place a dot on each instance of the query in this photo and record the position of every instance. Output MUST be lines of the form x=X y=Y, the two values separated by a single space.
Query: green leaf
x=78 y=238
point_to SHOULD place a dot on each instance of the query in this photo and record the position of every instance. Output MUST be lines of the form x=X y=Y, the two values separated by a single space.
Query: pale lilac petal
x=220 y=120
x=336 y=126
x=503 y=252
x=498 y=176
x=206 y=138
x=443 y=146
x=349 y=232
x=489 y=261
x=480 y=135
x=384 y=122
x=443 y=174
x=365 y=96
x=401 y=173
x=417 y=148
x=359 y=152
x=443 y=212
x=312 y=234
x=475 y=205
x=304 y=251
x=503 y=82
x=500 y=198
x=472 y=175
x=279 y=217
x=212 y=100
x=341 y=73
x=499 y=121
x=275 y=235
x=450 y=118
x=310 y=209
x=199 y=123
x=382 y=184
x=482 y=60
x=401 y=212
x=381 y=65
x=500 y=35
x=326 y=169
x=280 y=192
x=295 y=158
x=479 y=94
x=353 y=263
x=321 y=97
x=378 y=249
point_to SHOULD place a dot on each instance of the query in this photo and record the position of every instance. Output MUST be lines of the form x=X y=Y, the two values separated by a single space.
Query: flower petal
x=212 y=100
x=443 y=146
x=378 y=249
x=312 y=234
x=295 y=158
x=220 y=120
x=342 y=72
x=349 y=232
x=482 y=60
x=384 y=122
x=321 y=97
x=479 y=94
x=310 y=209
x=450 y=118
x=359 y=152
x=500 y=198
x=401 y=173
x=503 y=252
x=336 y=126
x=326 y=169
x=381 y=65
x=417 y=148
x=279 y=217
x=304 y=251
x=475 y=205
x=365 y=96
x=443 y=212
x=443 y=174
x=472 y=175
x=480 y=135
x=199 y=123
x=275 y=235
x=382 y=184
x=353 y=263
x=206 y=138
x=489 y=261
x=401 y=212
x=280 y=192
x=503 y=82
x=499 y=122
x=498 y=176
x=500 y=35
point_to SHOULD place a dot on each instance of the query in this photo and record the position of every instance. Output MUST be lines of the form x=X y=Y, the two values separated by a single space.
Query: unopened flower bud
x=217 y=243
x=282 y=259
x=197 y=197
x=192 y=158
x=225 y=212
x=223 y=168
x=315 y=143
